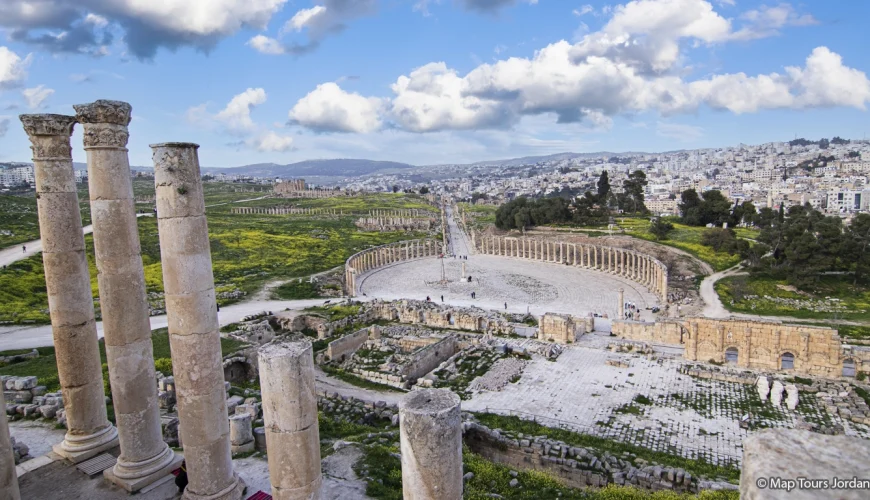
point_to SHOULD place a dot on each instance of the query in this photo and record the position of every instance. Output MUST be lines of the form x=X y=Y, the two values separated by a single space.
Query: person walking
x=442 y=298
x=505 y=306
x=24 y=248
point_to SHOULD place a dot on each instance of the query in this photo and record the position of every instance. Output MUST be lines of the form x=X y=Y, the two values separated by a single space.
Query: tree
x=857 y=243
x=839 y=140
x=660 y=228
x=633 y=188
x=603 y=186
x=743 y=213
x=424 y=190
x=395 y=188
x=824 y=143
x=689 y=206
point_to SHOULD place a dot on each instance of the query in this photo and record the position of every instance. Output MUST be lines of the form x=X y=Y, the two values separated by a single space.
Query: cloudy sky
x=438 y=81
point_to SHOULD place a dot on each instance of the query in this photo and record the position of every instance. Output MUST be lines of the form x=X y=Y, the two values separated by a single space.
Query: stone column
x=290 y=415
x=68 y=284
x=144 y=457
x=193 y=325
x=8 y=478
x=621 y=306
x=664 y=272
x=430 y=432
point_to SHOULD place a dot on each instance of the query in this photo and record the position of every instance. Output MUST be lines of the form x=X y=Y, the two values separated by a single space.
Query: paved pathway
x=27 y=337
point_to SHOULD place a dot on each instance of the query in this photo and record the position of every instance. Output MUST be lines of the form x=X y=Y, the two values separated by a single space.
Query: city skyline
x=469 y=81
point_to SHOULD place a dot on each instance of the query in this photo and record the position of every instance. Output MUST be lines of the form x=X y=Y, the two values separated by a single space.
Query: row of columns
x=286 y=211
x=629 y=264
x=408 y=212
x=384 y=255
x=190 y=303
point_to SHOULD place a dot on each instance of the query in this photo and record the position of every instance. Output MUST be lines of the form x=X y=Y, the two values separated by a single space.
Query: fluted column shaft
x=123 y=302
x=68 y=283
x=193 y=325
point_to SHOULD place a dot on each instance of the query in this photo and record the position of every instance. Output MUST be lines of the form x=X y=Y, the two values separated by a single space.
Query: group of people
x=632 y=312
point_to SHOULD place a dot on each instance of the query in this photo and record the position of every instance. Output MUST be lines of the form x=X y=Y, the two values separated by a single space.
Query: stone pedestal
x=193 y=325
x=290 y=414
x=430 y=430
x=241 y=433
x=145 y=457
x=68 y=283
x=8 y=477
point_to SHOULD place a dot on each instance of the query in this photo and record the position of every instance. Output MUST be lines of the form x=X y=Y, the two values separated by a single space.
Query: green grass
x=695 y=467
x=334 y=312
x=688 y=239
x=294 y=290
x=853 y=302
x=246 y=250
x=45 y=366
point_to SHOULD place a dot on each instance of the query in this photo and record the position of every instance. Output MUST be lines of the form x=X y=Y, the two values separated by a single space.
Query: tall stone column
x=145 y=457
x=290 y=415
x=430 y=435
x=8 y=478
x=193 y=325
x=68 y=284
x=621 y=306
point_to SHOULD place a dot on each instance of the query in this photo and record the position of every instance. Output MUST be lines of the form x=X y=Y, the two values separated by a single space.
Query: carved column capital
x=105 y=123
x=50 y=135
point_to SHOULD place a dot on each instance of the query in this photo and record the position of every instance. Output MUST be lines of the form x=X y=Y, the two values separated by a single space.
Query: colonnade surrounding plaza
x=383 y=255
x=285 y=211
x=636 y=266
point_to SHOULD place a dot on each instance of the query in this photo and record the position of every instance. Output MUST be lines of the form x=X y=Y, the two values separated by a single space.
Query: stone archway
x=786 y=361
x=849 y=367
x=731 y=355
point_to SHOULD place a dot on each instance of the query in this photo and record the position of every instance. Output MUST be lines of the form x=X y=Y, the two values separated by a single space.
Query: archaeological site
x=420 y=352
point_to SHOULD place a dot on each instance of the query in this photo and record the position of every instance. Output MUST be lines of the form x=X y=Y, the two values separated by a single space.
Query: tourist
x=428 y=299
x=24 y=248
x=505 y=306
x=442 y=298
x=181 y=478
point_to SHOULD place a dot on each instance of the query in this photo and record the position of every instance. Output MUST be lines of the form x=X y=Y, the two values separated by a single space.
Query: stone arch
x=850 y=367
x=786 y=361
x=732 y=354
x=238 y=370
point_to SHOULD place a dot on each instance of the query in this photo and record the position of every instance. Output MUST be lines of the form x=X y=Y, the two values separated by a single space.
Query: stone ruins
x=763 y=345
x=643 y=269
x=296 y=188
x=285 y=211
x=384 y=255
x=385 y=224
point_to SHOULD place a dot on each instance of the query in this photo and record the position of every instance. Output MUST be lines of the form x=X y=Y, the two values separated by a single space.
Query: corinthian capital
x=49 y=134
x=103 y=111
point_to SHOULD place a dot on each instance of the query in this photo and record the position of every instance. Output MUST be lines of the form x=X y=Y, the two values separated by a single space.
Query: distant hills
x=313 y=168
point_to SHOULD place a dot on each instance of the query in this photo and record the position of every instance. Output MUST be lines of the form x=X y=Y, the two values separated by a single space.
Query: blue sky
x=421 y=82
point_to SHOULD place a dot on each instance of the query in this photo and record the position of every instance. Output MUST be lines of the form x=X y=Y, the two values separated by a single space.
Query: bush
x=163 y=365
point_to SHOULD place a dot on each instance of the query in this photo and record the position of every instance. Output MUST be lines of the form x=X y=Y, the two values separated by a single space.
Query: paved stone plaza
x=692 y=417
x=524 y=285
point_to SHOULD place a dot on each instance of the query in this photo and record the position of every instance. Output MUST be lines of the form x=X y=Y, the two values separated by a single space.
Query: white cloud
x=266 y=45
x=96 y=20
x=36 y=96
x=304 y=18
x=237 y=114
x=826 y=82
x=13 y=69
x=766 y=21
x=583 y=10
x=4 y=125
x=330 y=108
x=679 y=131
x=272 y=142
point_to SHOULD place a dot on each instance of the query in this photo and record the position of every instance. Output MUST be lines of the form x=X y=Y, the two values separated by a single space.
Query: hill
x=313 y=168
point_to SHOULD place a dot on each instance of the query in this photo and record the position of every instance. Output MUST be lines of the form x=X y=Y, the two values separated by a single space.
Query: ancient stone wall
x=763 y=345
x=630 y=264
x=441 y=316
x=426 y=359
x=289 y=186
x=384 y=224
x=347 y=345
x=560 y=328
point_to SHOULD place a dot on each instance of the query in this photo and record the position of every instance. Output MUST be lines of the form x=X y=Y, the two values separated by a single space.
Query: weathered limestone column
x=430 y=432
x=193 y=326
x=68 y=284
x=290 y=415
x=8 y=478
x=145 y=457
x=664 y=285
x=621 y=307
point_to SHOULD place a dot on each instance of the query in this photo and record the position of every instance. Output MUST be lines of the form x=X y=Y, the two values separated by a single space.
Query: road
x=12 y=255
x=714 y=307
x=458 y=239
x=28 y=337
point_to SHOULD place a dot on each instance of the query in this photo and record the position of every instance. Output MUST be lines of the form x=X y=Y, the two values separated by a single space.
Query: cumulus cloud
x=35 y=97
x=4 y=125
x=317 y=22
x=13 y=69
x=491 y=6
x=767 y=21
x=84 y=25
x=271 y=142
x=330 y=108
x=236 y=116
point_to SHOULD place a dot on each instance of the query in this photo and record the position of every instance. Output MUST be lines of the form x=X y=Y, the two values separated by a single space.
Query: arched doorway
x=786 y=361
x=849 y=368
x=731 y=355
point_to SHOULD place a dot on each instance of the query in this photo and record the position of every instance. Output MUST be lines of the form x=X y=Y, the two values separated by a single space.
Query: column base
x=134 y=484
x=233 y=492
x=79 y=449
x=242 y=448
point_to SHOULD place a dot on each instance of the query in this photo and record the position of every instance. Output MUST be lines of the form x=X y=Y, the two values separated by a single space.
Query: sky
x=438 y=81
